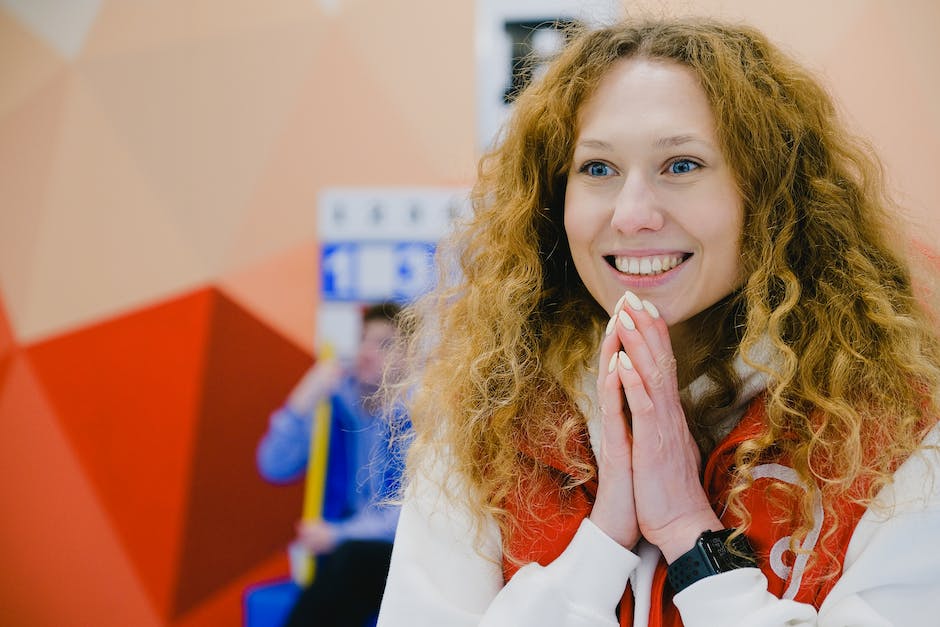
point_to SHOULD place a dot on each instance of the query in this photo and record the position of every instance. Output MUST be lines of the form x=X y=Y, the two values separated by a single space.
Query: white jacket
x=891 y=572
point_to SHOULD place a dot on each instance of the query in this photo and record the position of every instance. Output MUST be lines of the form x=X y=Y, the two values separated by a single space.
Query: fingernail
x=626 y=321
x=610 y=327
x=619 y=303
x=612 y=364
x=633 y=300
x=651 y=308
x=624 y=360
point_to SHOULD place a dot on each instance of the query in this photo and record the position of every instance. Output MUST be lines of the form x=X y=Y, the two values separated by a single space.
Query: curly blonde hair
x=500 y=350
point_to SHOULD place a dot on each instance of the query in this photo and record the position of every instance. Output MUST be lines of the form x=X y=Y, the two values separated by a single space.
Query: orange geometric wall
x=160 y=163
x=159 y=168
x=157 y=414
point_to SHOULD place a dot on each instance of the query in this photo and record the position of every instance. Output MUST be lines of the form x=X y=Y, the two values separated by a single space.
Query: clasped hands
x=649 y=481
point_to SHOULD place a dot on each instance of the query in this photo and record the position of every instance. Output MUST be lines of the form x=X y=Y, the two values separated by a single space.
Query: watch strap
x=710 y=556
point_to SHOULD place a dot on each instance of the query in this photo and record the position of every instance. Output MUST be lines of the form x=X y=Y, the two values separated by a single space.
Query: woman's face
x=651 y=205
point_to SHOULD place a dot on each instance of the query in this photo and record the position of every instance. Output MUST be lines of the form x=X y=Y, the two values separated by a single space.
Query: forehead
x=656 y=94
x=378 y=328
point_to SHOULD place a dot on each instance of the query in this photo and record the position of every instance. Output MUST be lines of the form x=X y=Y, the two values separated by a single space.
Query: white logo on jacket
x=793 y=573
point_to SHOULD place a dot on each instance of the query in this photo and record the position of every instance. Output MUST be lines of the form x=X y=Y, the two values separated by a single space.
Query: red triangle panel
x=234 y=519
x=62 y=564
x=127 y=392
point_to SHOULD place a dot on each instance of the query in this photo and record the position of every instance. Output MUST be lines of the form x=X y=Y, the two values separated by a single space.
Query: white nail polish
x=651 y=308
x=626 y=321
x=619 y=303
x=612 y=364
x=633 y=300
x=610 y=327
x=624 y=360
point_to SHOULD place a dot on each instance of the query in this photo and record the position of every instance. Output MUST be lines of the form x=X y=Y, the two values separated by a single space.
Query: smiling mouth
x=651 y=265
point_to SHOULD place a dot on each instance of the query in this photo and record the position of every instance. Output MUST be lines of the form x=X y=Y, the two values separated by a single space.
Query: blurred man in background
x=353 y=541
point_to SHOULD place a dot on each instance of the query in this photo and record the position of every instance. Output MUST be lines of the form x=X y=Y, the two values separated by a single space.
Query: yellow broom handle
x=315 y=485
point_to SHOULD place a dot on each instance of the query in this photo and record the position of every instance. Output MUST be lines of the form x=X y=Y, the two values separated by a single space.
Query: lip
x=647 y=281
x=647 y=252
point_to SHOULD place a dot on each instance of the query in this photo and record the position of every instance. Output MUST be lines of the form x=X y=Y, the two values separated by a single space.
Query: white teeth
x=647 y=265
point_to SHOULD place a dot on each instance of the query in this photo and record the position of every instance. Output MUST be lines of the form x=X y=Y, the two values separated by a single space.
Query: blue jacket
x=364 y=464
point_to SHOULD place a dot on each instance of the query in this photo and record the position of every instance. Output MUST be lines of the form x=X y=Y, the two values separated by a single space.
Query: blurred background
x=162 y=173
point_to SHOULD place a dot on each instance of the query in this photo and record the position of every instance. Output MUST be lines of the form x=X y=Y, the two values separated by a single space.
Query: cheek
x=720 y=222
x=723 y=250
x=571 y=231
x=579 y=245
x=578 y=228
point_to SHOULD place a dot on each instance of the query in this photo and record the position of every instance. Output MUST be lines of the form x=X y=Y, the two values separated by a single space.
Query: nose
x=636 y=207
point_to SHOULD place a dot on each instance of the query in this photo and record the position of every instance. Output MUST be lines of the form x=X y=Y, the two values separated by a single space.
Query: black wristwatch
x=710 y=556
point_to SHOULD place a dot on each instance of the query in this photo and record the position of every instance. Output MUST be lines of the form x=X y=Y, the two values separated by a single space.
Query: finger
x=644 y=315
x=634 y=389
x=640 y=355
x=610 y=344
x=612 y=400
x=616 y=439
x=645 y=338
x=658 y=429
x=656 y=331
x=648 y=323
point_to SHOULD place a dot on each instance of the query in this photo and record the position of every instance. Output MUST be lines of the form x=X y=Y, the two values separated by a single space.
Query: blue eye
x=682 y=166
x=597 y=168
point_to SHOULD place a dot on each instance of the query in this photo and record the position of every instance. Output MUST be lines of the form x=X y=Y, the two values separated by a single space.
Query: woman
x=683 y=376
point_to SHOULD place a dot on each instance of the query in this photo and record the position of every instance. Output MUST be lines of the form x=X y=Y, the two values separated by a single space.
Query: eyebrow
x=663 y=142
x=595 y=143
x=678 y=140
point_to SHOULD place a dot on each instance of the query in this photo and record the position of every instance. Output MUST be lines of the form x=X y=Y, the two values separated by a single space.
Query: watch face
x=710 y=556
x=723 y=559
x=715 y=550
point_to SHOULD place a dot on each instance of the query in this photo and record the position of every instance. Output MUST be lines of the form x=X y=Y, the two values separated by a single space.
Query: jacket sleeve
x=376 y=522
x=439 y=577
x=891 y=574
x=283 y=451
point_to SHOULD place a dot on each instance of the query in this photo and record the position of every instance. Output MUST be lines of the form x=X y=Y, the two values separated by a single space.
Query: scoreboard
x=377 y=244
